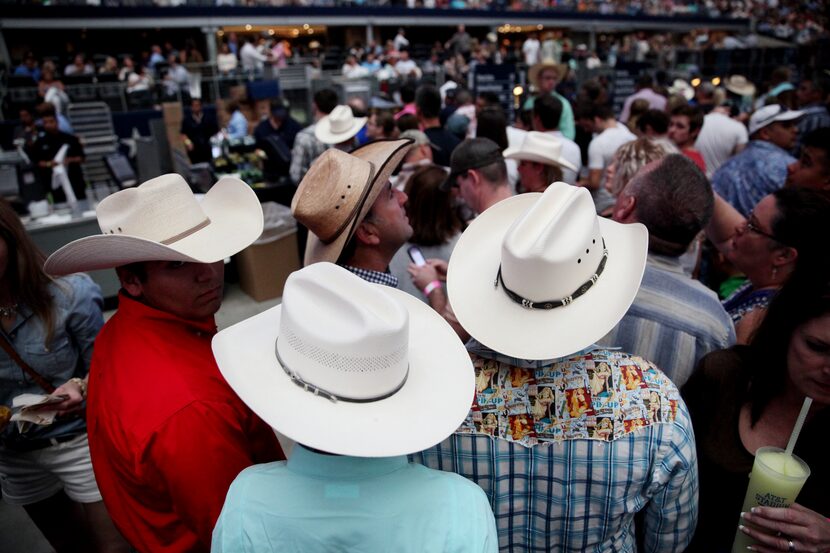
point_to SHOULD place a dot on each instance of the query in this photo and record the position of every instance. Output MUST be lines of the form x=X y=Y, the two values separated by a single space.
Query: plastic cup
x=775 y=481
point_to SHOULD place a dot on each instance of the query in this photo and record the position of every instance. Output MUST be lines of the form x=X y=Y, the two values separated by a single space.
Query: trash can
x=264 y=265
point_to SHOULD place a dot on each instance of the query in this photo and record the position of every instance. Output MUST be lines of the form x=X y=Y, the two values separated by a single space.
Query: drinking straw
x=799 y=422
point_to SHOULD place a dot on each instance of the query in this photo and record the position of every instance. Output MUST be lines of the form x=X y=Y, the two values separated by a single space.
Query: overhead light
x=305 y=26
x=248 y=27
x=695 y=82
x=220 y=33
x=518 y=90
x=271 y=32
x=716 y=81
x=539 y=27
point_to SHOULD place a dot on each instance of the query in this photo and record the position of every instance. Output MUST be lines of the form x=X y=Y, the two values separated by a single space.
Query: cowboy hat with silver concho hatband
x=339 y=190
x=541 y=276
x=343 y=365
x=161 y=220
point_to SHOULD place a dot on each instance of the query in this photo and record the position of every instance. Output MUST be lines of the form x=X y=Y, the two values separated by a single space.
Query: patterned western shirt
x=375 y=277
x=752 y=174
x=570 y=450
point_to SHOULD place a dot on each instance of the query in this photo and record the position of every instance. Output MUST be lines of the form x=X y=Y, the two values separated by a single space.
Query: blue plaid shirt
x=752 y=174
x=582 y=494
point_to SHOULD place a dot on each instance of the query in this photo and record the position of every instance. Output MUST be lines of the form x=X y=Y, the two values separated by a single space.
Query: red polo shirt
x=166 y=432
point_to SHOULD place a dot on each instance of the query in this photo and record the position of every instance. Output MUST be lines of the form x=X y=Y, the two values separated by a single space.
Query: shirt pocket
x=55 y=362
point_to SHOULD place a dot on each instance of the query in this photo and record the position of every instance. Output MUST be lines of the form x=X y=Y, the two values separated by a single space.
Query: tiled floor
x=17 y=533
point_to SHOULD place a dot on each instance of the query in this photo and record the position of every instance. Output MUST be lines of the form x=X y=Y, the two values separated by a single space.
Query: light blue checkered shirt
x=582 y=494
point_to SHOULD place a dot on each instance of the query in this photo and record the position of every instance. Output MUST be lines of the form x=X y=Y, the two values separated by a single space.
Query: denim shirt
x=78 y=318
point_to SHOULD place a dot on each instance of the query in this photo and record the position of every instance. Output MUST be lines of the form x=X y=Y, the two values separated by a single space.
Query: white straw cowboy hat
x=740 y=85
x=338 y=126
x=161 y=220
x=540 y=276
x=541 y=148
x=681 y=87
x=533 y=73
x=349 y=367
x=338 y=191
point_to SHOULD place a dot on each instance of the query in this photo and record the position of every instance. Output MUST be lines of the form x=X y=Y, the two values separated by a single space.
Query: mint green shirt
x=325 y=503
x=567 y=126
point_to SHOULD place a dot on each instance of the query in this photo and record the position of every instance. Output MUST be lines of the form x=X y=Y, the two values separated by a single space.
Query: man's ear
x=130 y=282
x=624 y=208
x=367 y=233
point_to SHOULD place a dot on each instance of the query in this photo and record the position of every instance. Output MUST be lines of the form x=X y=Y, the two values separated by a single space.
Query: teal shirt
x=326 y=503
x=567 y=126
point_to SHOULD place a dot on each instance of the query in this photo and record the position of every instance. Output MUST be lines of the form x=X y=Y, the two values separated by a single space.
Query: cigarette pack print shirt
x=569 y=450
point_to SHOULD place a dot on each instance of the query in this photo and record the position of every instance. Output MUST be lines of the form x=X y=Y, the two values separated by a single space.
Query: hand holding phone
x=416 y=255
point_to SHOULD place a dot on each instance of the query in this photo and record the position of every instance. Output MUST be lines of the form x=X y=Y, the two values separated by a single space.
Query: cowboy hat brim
x=519 y=154
x=385 y=156
x=533 y=72
x=236 y=220
x=323 y=132
x=503 y=325
x=430 y=406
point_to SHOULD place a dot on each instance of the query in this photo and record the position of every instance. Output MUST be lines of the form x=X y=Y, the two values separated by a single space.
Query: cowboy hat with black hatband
x=541 y=276
x=161 y=220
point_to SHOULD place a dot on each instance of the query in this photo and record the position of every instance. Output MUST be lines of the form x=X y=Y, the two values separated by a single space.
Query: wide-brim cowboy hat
x=338 y=126
x=337 y=193
x=740 y=85
x=503 y=324
x=541 y=148
x=431 y=402
x=536 y=68
x=161 y=220
x=681 y=87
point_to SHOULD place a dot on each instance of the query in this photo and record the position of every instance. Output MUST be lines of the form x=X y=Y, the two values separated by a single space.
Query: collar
x=341 y=467
x=136 y=310
x=376 y=277
x=764 y=145
x=665 y=262
x=477 y=348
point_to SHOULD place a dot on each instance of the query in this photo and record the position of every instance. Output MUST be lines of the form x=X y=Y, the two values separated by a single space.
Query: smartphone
x=416 y=255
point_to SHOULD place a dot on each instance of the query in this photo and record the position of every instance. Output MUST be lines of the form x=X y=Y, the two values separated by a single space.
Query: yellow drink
x=775 y=481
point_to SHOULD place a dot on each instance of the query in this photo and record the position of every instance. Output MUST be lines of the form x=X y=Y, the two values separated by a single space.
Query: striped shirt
x=673 y=322
x=580 y=489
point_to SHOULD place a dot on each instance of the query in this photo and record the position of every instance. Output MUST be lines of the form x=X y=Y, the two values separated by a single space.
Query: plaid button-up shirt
x=564 y=481
x=375 y=277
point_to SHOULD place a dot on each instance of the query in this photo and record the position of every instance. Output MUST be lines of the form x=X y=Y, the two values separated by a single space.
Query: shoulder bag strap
x=42 y=382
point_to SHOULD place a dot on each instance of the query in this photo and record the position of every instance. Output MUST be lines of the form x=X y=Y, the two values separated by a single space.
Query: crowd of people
x=570 y=330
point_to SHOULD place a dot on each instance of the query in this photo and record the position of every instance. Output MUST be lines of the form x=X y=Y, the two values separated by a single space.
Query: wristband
x=429 y=288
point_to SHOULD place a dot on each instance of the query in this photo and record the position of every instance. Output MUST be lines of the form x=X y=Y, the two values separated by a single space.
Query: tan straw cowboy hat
x=161 y=220
x=536 y=68
x=339 y=190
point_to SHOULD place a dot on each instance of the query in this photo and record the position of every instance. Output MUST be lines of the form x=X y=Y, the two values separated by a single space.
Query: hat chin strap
x=317 y=391
x=552 y=304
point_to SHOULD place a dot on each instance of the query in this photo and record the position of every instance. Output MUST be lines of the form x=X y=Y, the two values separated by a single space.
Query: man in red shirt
x=686 y=122
x=167 y=434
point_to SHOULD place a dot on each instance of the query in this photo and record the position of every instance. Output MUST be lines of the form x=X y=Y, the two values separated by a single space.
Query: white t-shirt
x=718 y=139
x=571 y=153
x=515 y=138
x=531 y=51
x=602 y=148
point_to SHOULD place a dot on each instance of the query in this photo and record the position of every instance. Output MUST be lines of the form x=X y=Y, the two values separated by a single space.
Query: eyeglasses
x=751 y=224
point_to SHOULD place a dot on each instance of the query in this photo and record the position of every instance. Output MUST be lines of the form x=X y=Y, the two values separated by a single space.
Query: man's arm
x=596 y=166
x=671 y=514
x=195 y=456
x=725 y=219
